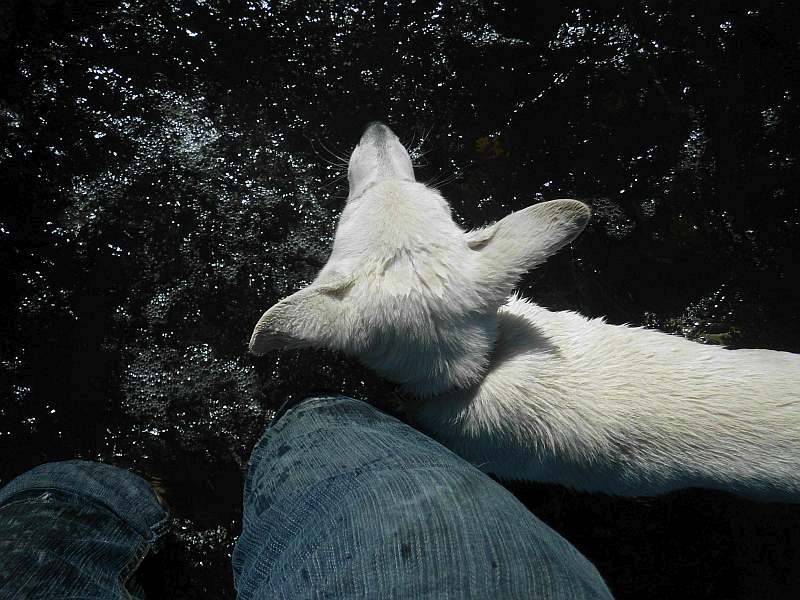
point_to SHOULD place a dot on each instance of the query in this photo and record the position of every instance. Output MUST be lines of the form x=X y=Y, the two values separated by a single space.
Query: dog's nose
x=377 y=132
x=375 y=125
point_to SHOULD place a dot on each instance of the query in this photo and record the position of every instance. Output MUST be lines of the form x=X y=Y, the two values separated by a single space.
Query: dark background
x=168 y=171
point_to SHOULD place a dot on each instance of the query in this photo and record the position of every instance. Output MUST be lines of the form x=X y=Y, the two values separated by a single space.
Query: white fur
x=521 y=391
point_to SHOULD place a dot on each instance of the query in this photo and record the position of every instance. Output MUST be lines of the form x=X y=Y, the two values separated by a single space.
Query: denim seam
x=336 y=512
x=13 y=502
x=129 y=568
x=154 y=530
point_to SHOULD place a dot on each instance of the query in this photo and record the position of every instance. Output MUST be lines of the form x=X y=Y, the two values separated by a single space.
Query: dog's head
x=405 y=289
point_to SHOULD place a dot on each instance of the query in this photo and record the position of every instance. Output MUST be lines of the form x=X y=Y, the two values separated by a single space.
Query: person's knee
x=319 y=404
x=299 y=418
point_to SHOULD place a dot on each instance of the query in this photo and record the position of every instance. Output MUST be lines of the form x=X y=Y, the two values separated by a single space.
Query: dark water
x=171 y=169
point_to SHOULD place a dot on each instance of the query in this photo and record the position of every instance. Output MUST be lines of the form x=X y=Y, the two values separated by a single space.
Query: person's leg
x=344 y=501
x=76 y=529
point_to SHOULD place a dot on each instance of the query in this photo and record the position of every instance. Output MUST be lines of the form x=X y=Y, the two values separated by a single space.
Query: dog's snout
x=376 y=127
x=376 y=132
x=379 y=156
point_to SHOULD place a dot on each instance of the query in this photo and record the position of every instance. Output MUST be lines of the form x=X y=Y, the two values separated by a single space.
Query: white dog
x=521 y=391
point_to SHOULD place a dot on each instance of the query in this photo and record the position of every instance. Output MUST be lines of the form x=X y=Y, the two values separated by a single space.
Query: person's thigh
x=344 y=501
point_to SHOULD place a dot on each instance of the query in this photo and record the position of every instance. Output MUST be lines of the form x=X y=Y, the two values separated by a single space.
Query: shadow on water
x=170 y=170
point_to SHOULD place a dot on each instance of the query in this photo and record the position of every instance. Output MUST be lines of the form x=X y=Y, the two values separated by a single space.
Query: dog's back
x=522 y=391
x=625 y=410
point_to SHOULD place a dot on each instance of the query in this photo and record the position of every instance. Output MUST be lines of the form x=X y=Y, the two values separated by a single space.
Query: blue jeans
x=341 y=501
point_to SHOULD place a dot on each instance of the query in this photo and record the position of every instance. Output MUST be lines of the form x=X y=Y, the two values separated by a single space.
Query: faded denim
x=344 y=501
x=76 y=529
x=341 y=501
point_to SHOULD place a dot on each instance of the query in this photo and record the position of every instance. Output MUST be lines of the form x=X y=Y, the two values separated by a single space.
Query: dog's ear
x=314 y=316
x=525 y=239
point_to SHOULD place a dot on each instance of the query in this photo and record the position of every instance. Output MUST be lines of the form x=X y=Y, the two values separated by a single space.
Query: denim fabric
x=76 y=529
x=344 y=501
x=341 y=501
